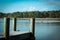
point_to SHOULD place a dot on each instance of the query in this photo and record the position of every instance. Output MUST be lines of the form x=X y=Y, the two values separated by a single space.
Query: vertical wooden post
x=32 y=26
x=14 y=24
x=6 y=27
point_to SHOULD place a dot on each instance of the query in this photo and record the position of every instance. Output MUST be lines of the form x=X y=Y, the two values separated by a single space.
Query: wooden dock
x=16 y=35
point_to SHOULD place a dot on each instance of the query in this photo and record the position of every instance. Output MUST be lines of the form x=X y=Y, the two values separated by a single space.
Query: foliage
x=35 y=14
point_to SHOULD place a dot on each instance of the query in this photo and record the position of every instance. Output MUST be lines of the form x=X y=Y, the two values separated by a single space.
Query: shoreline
x=41 y=18
x=38 y=18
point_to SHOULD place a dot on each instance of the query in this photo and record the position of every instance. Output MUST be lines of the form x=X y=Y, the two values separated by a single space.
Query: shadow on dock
x=25 y=36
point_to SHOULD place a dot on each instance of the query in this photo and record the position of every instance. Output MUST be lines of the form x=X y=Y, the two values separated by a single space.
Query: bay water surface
x=44 y=29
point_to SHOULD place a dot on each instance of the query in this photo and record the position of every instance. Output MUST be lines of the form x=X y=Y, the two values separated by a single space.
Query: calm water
x=44 y=29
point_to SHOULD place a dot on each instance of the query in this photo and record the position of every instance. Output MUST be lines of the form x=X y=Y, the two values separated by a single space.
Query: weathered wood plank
x=14 y=24
x=6 y=27
x=32 y=26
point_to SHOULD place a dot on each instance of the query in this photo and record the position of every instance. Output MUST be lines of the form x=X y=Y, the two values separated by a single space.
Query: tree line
x=34 y=14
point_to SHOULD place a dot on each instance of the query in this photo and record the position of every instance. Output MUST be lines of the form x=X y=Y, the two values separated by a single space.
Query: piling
x=14 y=24
x=6 y=27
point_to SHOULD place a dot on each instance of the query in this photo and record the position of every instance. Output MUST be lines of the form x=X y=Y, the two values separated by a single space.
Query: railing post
x=14 y=24
x=6 y=27
x=32 y=26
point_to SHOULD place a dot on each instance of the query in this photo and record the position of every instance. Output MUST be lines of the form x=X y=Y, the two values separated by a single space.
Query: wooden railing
x=32 y=24
x=7 y=24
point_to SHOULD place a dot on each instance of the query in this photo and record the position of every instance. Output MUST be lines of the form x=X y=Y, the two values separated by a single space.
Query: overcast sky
x=28 y=5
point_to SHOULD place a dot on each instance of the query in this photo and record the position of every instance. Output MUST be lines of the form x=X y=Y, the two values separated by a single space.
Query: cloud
x=31 y=8
x=51 y=0
x=55 y=4
x=55 y=1
x=43 y=9
x=51 y=3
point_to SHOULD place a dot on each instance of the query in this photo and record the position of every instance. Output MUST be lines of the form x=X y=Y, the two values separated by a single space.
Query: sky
x=7 y=6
